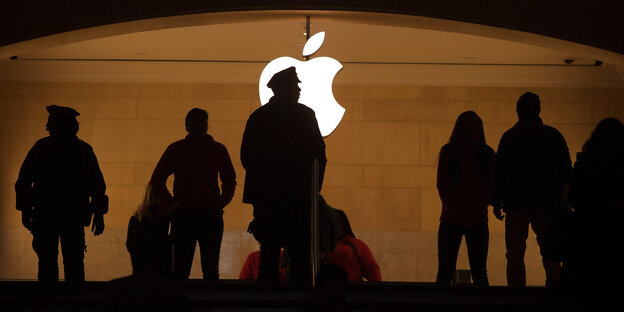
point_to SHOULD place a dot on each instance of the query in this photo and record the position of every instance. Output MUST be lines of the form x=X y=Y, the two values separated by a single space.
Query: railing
x=314 y=223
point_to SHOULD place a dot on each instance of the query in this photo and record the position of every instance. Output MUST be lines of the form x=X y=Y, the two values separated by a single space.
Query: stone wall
x=381 y=161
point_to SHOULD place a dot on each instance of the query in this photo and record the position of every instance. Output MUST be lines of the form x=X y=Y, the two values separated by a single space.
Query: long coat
x=280 y=141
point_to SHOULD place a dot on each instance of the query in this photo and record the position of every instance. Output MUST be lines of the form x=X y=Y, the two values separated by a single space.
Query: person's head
x=285 y=84
x=196 y=122
x=528 y=106
x=468 y=131
x=62 y=121
x=152 y=207
x=608 y=135
x=345 y=226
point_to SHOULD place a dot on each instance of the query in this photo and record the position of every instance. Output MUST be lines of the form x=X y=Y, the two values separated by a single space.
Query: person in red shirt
x=350 y=253
x=197 y=163
x=250 y=269
x=353 y=255
x=464 y=175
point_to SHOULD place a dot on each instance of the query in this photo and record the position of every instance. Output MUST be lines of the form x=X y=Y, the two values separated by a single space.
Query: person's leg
x=540 y=222
x=270 y=247
x=449 y=239
x=516 y=233
x=210 y=236
x=73 y=247
x=298 y=247
x=45 y=244
x=269 y=232
x=184 y=241
x=298 y=244
x=477 y=239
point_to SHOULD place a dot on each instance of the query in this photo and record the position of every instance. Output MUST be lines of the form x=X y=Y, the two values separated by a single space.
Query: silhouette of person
x=464 y=176
x=530 y=173
x=145 y=289
x=59 y=189
x=280 y=142
x=596 y=196
x=152 y=219
x=353 y=255
x=197 y=162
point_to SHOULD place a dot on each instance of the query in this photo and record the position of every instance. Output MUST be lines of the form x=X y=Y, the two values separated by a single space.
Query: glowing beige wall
x=381 y=161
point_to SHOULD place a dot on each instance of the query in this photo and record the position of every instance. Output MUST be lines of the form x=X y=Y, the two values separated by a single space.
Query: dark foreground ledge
x=231 y=295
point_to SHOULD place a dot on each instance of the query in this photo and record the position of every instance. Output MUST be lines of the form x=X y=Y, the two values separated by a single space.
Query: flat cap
x=287 y=75
x=62 y=111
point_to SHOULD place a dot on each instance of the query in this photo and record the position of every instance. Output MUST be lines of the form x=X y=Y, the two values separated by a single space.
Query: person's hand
x=27 y=219
x=498 y=213
x=98 y=224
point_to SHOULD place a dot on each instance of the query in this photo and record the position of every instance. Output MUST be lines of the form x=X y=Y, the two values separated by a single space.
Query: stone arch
x=385 y=19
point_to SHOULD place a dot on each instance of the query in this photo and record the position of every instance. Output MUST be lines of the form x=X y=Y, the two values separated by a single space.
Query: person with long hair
x=353 y=255
x=596 y=197
x=464 y=176
x=151 y=220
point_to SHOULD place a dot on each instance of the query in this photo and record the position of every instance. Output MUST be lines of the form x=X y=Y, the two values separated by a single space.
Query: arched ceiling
x=598 y=24
x=376 y=49
x=265 y=40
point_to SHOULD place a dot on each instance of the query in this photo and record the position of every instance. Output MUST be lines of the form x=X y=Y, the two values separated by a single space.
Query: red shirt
x=354 y=256
x=197 y=164
x=252 y=266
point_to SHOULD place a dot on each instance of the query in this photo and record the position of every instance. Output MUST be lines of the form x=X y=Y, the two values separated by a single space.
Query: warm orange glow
x=381 y=159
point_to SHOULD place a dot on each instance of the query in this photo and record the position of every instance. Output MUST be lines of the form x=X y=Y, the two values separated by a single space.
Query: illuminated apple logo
x=317 y=76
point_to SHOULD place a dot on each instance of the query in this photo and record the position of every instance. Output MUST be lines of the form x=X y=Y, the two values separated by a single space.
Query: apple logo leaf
x=314 y=43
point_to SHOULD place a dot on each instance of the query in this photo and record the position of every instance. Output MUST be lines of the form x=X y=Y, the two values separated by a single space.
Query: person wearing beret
x=280 y=142
x=59 y=190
